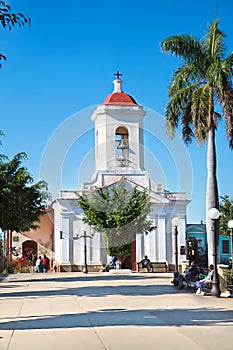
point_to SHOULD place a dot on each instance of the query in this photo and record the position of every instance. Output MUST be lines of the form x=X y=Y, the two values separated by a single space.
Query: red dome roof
x=119 y=98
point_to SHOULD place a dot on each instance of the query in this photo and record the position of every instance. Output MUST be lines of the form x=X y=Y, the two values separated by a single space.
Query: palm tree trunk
x=212 y=200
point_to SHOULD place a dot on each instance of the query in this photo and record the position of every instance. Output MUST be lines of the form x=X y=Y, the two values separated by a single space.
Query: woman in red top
x=45 y=263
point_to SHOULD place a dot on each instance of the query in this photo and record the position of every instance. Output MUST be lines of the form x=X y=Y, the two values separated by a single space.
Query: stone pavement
x=74 y=311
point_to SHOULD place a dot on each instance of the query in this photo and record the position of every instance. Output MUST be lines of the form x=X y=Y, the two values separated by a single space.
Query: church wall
x=42 y=237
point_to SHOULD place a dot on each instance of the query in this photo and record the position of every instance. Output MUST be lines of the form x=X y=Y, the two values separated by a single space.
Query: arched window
x=122 y=142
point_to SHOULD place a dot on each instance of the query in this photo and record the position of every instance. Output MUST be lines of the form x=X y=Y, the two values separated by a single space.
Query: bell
x=123 y=144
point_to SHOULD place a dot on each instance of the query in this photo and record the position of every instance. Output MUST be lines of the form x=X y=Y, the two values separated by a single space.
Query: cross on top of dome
x=118 y=97
x=118 y=74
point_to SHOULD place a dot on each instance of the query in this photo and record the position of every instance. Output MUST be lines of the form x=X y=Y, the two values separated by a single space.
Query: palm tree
x=198 y=87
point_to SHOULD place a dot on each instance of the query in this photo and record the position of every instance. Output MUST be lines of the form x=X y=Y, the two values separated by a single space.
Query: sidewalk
x=74 y=311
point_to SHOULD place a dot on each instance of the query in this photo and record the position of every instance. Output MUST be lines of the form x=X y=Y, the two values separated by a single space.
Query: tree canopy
x=201 y=82
x=21 y=201
x=120 y=212
x=9 y=19
x=226 y=210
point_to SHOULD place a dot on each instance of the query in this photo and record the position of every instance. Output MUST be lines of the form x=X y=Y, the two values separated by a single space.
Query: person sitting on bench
x=205 y=281
x=190 y=275
x=111 y=264
x=146 y=263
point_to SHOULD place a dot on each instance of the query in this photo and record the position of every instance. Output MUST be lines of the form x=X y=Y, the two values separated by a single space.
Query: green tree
x=119 y=212
x=226 y=209
x=9 y=19
x=198 y=87
x=1 y=134
x=21 y=201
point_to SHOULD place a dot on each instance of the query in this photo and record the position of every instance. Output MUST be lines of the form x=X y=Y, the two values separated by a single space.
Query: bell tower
x=119 y=142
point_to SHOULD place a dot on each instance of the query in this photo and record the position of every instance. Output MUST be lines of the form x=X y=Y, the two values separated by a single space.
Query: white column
x=56 y=234
x=65 y=238
x=169 y=241
x=180 y=222
x=161 y=232
x=182 y=238
x=95 y=249
x=151 y=249
x=139 y=246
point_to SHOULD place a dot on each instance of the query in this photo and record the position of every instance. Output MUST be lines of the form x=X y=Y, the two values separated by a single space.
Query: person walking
x=39 y=267
x=45 y=263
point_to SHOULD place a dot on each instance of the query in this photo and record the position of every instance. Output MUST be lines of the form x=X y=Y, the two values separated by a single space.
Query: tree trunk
x=212 y=200
x=9 y=244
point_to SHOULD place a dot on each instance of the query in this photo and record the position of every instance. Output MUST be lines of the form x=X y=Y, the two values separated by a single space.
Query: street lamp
x=176 y=248
x=176 y=222
x=85 y=236
x=214 y=215
x=230 y=225
x=85 y=269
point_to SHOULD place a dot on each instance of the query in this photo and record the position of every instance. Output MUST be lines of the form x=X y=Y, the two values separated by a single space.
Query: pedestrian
x=39 y=265
x=45 y=263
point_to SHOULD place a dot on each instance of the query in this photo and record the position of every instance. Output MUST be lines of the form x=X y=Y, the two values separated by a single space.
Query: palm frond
x=214 y=73
x=213 y=42
x=229 y=60
x=186 y=122
x=227 y=108
x=201 y=112
x=175 y=107
x=172 y=113
x=184 y=46
x=184 y=76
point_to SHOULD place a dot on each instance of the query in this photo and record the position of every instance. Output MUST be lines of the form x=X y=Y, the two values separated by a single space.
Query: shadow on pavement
x=96 y=291
x=122 y=317
x=82 y=277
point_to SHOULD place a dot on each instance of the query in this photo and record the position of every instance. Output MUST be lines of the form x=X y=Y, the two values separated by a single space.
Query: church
x=119 y=153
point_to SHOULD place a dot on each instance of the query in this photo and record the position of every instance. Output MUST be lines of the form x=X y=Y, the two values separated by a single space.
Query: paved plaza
x=137 y=311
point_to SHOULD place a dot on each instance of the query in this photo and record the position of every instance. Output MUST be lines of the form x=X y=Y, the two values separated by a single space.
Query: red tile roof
x=119 y=98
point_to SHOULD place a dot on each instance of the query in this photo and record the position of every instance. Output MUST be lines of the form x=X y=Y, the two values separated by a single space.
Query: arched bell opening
x=122 y=142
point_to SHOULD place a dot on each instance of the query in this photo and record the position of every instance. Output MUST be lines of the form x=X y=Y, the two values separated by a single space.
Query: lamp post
x=85 y=269
x=84 y=236
x=230 y=225
x=214 y=215
x=175 y=223
x=176 y=248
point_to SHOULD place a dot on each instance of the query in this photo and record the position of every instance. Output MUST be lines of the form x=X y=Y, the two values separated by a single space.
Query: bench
x=157 y=266
x=192 y=284
x=188 y=283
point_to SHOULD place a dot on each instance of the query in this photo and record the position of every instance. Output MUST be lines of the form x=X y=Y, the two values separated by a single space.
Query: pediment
x=155 y=197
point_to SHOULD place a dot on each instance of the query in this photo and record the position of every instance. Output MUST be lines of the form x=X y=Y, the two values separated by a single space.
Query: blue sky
x=58 y=70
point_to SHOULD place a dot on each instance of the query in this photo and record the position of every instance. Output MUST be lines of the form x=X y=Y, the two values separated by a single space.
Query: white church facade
x=119 y=152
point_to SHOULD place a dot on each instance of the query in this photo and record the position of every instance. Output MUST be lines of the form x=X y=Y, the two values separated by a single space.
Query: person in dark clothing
x=146 y=263
x=190 y=275
x=192 y=272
